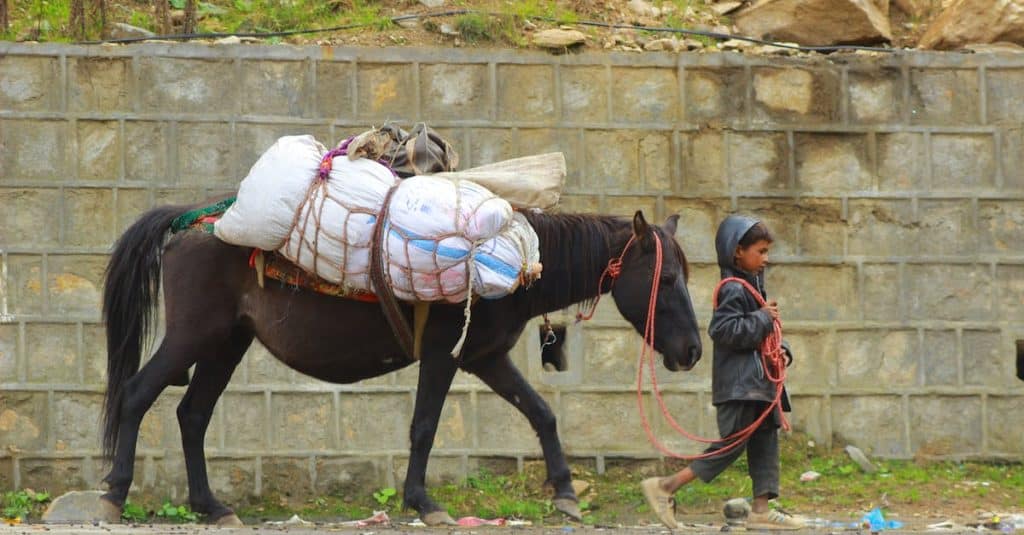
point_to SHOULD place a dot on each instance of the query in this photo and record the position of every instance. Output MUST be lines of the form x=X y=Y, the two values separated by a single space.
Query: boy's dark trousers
x=762 y=448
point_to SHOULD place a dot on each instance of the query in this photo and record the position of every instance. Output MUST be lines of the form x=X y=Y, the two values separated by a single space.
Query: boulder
x=81 y=507
x=975 y=21
x=816 y=22
x=558 y=38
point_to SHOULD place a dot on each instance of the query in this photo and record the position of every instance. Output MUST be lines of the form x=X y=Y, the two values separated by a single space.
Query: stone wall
x=895 y=186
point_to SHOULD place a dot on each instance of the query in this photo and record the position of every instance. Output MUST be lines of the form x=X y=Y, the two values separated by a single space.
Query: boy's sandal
x=662 y=503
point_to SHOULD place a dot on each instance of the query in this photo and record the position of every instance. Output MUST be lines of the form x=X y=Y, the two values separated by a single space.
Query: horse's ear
x=640 y=227
x=670 y=224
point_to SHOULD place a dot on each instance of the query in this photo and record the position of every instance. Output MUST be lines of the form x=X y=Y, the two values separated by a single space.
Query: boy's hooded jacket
x=738 y=326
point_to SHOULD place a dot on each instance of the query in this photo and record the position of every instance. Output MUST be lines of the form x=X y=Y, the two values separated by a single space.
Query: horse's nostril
x=694 y=354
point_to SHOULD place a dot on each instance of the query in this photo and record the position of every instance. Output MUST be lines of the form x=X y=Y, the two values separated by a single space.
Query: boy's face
x=753 y=258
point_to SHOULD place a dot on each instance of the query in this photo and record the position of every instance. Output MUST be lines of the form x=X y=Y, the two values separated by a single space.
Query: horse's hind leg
x=140 y=391
x=504 y=378
x=211 y=376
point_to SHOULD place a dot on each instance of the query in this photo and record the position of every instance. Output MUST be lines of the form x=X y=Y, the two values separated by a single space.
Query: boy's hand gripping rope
x=772 y=359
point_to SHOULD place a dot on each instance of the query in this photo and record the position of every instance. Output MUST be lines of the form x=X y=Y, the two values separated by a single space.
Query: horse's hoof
x=230 y=520
x=439 y=518
x=570 y=507
x=111 y=513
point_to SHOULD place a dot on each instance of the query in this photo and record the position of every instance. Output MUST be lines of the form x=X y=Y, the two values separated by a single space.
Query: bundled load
x=443 y=239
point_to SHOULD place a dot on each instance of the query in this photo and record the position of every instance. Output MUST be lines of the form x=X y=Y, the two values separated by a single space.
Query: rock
x=81 y=507
x=671 y=44
x=447 y=29
x=409 y=24
x=815 y=22
x=736 y=508
x=809 y=475
x=736 y=44
x=862 y=460
x=432 y=3
x=975 y=21
x=120 y=30
x=1001 y=47
x=229 y=40
x=643 y=9
x=558 y=38
x=724 y=8
x=580 y=486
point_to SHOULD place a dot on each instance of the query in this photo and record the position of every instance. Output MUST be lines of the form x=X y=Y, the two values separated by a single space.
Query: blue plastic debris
x=877 y=521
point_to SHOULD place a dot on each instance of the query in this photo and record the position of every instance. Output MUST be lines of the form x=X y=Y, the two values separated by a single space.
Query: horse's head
x=676 y=335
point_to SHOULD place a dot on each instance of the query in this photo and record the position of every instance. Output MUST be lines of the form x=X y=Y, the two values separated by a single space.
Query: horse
x=214 y=308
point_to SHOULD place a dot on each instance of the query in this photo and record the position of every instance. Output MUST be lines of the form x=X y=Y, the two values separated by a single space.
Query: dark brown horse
x=214 y=308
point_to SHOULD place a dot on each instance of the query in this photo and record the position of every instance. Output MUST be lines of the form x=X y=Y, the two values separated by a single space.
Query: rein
x=772 y=359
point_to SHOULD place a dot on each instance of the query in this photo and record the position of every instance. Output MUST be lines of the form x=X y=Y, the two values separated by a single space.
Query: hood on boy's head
x=730 y=232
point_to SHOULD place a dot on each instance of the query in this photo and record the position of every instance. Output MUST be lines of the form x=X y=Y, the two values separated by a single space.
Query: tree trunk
x=163 y=17
x=101 y=13
x=3 y=16
x=77 y=22
x=190 y=17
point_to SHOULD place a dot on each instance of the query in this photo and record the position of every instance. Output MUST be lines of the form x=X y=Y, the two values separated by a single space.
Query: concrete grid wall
x=894 y=184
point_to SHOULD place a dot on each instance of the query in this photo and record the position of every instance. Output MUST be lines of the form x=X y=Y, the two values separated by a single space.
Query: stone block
x=457 y=425
x=963 y=162
x=159 y=429
x=97 y=84
x=584 y=94
x=881 y=228
x=503 y=428
x=129 y=206
x=940 y=358
x=88 y=217
x=833 y=163
x=902 y=161
x=627 y=205
x=1004 y=103
x=75 y=422
x=811 y=227
x=526 y=93
x=999 y=227
x=985 y=361
x=1005 y=434
x=24 y=420
x=943 y=96
x=815 y=356
x=51 y=353
x=275 y=88
x=611 y=162
x=287 y=476
x=685 y=409
x=146 y=153
x=757 y=162
x=959 y=432
x=264 y=368
x=56 y=476
x=656 y=157
x=875 y=97
x=965 y=293
x=24 y=284
x=75 y=285
x=253 y=139
x=703 y=278
x=382 y=90
x=542 y=140
x=245 y=421
x=334 y=89
x=455 y=91
x=867 y=358
x=1012 y=164
x=34 y=150
x=441 y=470
x=489 y=145
x=94 y=354
x=698 y=222
x=947 y=228
x=610 y=355
x=881 y=303
x=7 y=473
x=197 y=86
x=166 y=476
x=302 y=421
x=815 y=293
x=570 y=203
x=29 y=83
x=602 y=422
x=717 y=96
x=645 y=95
x=810 y=415
x=9 y=352
x=232 y=479
x=346 y=476
x=704 y=162
x=30 y=217
x=99 y=150
x=795 y=95
x=363 y=427
x=80 y=507
x=1009 y=287
x=205 y=156
x=874 y=424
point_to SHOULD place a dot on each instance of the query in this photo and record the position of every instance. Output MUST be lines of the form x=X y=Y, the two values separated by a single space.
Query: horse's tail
x=130 y=293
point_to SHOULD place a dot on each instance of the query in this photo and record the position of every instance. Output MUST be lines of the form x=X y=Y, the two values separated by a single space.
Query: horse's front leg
x=504 y=378
x=436 y=374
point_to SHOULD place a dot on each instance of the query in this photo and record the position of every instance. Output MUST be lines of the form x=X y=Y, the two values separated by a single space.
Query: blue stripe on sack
x=489 y=261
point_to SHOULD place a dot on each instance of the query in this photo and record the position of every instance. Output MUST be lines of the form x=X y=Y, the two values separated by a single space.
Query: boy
x=741 y=390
